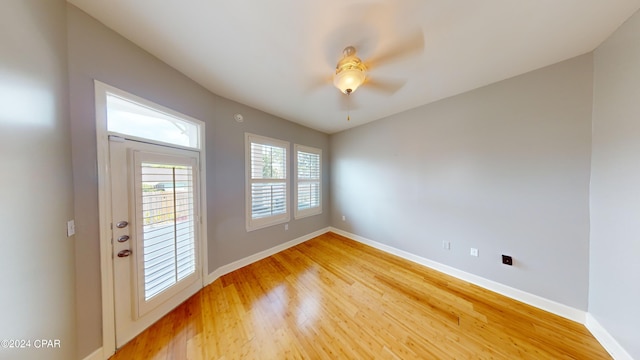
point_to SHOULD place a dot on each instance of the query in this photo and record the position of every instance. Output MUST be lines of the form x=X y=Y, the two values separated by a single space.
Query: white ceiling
x=279 y=55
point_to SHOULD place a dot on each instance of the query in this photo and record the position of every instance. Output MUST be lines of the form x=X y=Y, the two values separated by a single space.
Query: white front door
x=156 y=232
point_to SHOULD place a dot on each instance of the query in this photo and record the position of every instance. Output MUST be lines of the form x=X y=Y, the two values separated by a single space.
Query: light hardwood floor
x=334 y=298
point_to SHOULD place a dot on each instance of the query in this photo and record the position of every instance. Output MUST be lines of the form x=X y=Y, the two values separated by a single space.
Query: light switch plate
x=71 y=228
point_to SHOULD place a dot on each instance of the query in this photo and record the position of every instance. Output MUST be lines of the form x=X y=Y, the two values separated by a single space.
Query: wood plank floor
x=333 y=298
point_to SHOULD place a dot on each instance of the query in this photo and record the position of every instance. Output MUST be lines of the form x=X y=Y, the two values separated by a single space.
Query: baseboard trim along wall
x=225 y=269
x=605 y=339
x=96 y=355
x=523 y=296
x=600 y=333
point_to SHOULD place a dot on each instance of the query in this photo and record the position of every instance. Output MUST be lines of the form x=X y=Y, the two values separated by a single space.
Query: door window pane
x=169 y=229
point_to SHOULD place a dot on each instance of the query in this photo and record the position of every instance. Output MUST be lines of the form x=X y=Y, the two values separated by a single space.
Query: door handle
x=124 y=253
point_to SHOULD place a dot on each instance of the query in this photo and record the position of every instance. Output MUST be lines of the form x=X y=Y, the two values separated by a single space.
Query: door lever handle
x=124 y=253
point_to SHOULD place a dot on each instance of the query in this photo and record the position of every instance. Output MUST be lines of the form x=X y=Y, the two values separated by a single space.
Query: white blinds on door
x=168 y=235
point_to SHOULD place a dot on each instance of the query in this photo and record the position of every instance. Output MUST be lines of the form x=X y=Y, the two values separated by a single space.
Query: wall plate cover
x=71 y=228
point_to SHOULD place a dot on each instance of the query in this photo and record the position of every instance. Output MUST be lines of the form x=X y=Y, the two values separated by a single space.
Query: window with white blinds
x=308 y=183
x=267 y=193
x=168 y=219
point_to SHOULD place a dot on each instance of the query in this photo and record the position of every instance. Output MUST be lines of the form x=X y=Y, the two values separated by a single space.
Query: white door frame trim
x=104 y=206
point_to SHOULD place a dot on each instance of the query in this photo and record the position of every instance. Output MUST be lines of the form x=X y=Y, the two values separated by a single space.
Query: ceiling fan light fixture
x=350 y=72
x=347 y=81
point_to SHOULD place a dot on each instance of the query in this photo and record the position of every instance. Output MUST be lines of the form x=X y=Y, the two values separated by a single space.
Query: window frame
x=317 y=210
x=161 y=111
x=260 y=223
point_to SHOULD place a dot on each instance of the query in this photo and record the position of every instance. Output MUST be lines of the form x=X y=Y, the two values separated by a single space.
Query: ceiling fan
x=352 y=72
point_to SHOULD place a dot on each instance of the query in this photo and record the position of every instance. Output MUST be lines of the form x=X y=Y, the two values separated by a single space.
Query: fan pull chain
x=349 y=105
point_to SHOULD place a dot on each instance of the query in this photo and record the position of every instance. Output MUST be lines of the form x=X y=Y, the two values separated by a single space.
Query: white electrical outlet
x=344 y=218
x=71 y=228
x=446 y=245
x=473 y=252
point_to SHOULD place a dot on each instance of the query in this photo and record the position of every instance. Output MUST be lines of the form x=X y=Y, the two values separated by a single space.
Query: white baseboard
x=523 y=296
x=606 y=340
x=225 y=269
x=600 y=333
x=96 y=355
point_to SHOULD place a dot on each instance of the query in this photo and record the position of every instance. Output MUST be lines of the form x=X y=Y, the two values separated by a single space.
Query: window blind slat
x=267 y=181
x=308 y=195
x=268 y=162
x=268 y=199
x=169 y=230
x=308 y=170
x=308 y=166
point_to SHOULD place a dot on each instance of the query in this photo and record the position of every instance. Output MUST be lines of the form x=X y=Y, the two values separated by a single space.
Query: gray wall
x=504 y=168
x=614 y=286
x=38 y=282
x=96 y=52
